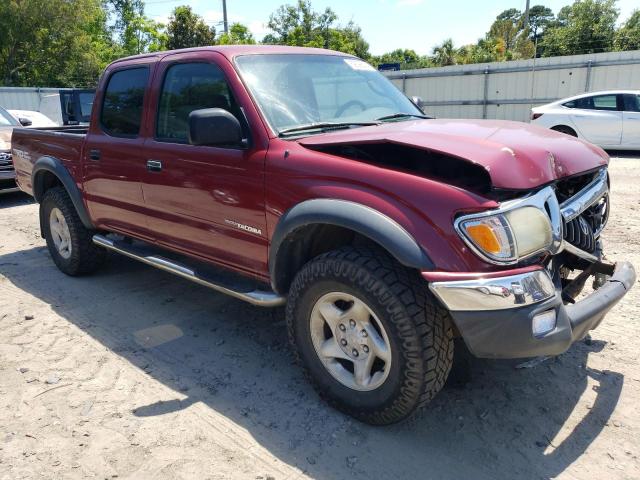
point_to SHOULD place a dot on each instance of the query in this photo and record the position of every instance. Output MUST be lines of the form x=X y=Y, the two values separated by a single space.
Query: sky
x=386 y=24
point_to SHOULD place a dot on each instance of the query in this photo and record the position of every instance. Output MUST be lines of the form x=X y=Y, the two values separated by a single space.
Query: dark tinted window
x=585 y=103
x=600 y=102
x=188 y=87
x=86 y=103
x=632 y=103
x=122 y=106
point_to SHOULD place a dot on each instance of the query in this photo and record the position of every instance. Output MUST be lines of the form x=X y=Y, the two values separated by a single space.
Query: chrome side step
x=255 y=297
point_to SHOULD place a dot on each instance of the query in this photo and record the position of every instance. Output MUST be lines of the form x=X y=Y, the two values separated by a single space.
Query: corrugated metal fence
x=508 y=90
x=21 y=98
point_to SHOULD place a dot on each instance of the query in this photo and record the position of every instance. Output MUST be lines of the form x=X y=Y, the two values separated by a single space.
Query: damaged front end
x=552 y=238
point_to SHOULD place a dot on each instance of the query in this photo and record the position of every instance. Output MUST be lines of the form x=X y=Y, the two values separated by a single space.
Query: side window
x=121 y=113
x=583 y=103
x=605 y=102
x=188 y=87
x=632 y=103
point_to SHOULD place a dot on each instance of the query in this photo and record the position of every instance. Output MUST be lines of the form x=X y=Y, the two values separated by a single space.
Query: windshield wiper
x=401 y=115
x=324 y=126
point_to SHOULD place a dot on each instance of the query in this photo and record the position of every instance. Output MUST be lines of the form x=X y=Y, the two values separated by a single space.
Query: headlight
x=4 y=145
x=510 y=236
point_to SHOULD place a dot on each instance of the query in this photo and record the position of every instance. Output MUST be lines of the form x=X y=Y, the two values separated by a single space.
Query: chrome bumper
x=496 y=317
x=495 y=293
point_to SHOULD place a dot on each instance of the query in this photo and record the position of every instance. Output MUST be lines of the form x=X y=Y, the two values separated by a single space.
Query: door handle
x=154 y=165
x=94 y=155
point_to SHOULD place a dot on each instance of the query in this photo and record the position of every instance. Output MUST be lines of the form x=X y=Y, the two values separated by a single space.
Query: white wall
x=43 y=100
x=512 y=88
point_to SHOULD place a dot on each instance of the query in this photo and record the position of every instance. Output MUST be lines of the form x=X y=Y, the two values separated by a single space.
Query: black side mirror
x=215 y=127
x=25 y=122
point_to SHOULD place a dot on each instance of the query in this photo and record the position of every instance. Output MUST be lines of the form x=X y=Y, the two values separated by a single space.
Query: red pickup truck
x=295 y=175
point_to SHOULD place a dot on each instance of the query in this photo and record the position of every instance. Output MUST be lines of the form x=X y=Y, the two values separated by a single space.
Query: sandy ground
x=133 y=373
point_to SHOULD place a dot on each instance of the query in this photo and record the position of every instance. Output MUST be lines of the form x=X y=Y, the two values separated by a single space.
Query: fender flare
x=56 y=167
x=362 y=219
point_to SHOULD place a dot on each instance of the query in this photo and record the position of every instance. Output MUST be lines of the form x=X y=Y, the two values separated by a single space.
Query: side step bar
x=255 y=297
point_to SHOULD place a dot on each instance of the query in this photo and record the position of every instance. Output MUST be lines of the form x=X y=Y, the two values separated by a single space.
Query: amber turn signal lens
x=484 y=237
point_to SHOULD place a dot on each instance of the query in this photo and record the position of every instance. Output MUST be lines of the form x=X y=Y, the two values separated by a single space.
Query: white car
x=37 y=119
x=608 y=119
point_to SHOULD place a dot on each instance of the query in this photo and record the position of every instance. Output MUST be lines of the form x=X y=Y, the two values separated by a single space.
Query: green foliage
x=628 y=36
x=405 y=57
x=444 y=54
x=186 y=29
x=52 y=42
x=299 y=25
x=238 y=35
x=69 y=42
x=134 y=32
x=539 y=17
x=586 y=26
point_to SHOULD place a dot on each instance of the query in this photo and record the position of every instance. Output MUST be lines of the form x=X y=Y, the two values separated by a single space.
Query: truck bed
x=30 y=144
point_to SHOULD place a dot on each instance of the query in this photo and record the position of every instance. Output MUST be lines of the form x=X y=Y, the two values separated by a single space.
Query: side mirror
x=417 y=101
x=25 y=122
x=215 y=127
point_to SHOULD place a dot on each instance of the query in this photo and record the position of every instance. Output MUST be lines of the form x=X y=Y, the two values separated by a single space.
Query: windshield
x=294 y=90
x=6 y=120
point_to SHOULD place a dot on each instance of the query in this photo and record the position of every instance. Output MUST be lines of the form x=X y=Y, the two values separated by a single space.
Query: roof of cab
x=231 y=51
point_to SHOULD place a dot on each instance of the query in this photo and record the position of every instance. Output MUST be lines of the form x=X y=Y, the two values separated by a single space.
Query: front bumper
x=7 y=172
x=495 y=316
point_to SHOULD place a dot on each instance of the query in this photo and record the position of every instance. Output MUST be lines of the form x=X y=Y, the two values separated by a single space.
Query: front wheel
x=374 y=342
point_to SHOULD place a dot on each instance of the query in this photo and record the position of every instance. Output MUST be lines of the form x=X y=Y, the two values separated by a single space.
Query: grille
x=568 y=187
x=6 y=164
x=583 y=231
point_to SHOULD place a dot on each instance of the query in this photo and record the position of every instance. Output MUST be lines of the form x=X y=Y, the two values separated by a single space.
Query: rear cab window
x=122 y=105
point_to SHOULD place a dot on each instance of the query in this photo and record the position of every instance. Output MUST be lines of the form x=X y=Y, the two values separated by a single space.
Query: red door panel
x=205 y=201
x=113 y=158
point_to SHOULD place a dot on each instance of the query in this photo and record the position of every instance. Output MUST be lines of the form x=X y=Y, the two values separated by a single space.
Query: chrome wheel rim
x=60 y=233
x=350 y=341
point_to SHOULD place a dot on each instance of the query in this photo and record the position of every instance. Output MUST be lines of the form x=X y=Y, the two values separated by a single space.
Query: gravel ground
x=134 y=373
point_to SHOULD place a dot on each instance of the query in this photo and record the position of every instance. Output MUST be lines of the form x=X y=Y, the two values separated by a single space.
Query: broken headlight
x=507 y=237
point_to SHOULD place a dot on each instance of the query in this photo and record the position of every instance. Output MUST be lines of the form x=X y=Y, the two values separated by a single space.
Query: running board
x=146 y=255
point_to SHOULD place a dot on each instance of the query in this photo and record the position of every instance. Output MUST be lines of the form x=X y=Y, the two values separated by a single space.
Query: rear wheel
x=370 y=336
x=564 y=129
x=68 y=240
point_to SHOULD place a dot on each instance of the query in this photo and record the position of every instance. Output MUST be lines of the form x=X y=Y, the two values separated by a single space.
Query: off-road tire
x=86 y=257
x=418 y=328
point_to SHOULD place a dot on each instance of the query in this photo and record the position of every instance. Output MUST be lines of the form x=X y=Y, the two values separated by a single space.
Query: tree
x=238 y=35
x=134 y=32
x=486 y=50
x=586 y=26
x=444 y=54
x=127 y=14
x=510 y=37
x=628 y=36
x=53 y=42
x=299 y=25
x=186 y=29
x=539 y=17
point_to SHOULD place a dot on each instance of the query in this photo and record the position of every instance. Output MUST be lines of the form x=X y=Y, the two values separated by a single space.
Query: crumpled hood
x=516 y=155
x=5 y=138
